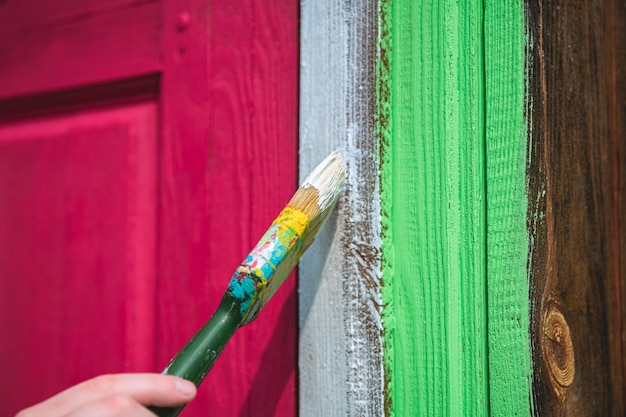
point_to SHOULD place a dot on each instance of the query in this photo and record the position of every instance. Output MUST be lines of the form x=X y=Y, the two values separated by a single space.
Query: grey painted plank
x=341 y=367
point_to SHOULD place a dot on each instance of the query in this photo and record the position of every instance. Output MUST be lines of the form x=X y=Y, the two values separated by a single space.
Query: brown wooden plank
x=103 y=45
x=576 y=190
x=615 y=47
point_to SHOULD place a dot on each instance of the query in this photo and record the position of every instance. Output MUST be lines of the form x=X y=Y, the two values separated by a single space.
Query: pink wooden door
x=144 y=148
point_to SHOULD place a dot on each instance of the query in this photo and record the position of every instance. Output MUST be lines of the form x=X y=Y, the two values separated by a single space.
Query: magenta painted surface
x=229 y=159
x=122 y=222
x=77 y=248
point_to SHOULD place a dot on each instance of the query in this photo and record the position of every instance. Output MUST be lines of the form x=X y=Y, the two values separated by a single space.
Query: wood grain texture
x=433 y=196
x=83 y=43
x=228 y=165
x=220 y=80
x=510 y=368
x=577 y=189
x=341 y=371
x=615 y=13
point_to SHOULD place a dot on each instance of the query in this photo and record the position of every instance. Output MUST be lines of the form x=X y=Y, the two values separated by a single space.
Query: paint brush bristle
x=318 y=193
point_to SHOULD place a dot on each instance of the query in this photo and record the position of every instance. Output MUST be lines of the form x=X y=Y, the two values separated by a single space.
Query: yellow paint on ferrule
x=294 y=219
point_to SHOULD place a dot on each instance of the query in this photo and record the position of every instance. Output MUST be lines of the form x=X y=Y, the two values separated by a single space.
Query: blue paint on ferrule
x=243 y=289
x=254 y=282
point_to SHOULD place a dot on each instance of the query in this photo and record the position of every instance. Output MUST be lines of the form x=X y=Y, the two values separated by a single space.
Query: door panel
x=77 y=249
x=121 y=223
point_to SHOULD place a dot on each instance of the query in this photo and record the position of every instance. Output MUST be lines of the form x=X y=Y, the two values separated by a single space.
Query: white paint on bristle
x=328 y=178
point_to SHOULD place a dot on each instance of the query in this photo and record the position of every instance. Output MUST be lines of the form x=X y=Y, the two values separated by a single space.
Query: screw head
x=183 y=21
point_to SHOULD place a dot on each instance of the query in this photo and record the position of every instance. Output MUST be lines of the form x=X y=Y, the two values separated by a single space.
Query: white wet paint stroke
x=341 y=365
x=328 y=179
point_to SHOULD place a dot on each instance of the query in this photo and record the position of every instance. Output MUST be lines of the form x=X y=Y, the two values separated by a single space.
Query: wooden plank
x=341 y=370
x=577 y=189
x=615 y=45
x=510 y=366
x=229 y=155
x=433 y=196
x=103 y=45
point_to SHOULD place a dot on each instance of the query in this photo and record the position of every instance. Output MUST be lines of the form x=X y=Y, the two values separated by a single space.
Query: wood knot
x=558 y=350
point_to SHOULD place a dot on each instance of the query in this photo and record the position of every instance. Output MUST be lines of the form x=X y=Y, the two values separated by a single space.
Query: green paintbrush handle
x=195 y=360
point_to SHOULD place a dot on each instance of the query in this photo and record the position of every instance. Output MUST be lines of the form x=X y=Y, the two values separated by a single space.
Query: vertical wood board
x=510 y=367
x=228 y=166
x=576 y=212
x=340 y=355
x=433 y=204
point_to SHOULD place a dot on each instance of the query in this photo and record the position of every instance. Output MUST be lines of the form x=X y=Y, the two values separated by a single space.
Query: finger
x=117 y=405
x=147 y=389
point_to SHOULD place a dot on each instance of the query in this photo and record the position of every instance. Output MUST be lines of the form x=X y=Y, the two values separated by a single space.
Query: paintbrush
x=256 y=280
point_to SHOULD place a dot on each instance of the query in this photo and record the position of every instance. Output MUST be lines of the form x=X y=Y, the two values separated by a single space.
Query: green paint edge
x=510 y=364
x=431 y=124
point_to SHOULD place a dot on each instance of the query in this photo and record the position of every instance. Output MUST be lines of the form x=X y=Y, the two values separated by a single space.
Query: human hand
x=115 y=395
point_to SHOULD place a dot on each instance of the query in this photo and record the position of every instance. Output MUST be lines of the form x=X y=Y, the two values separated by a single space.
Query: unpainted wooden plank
x=615 y=14
x=103 y=46
x=340 y=357
x=577 y=208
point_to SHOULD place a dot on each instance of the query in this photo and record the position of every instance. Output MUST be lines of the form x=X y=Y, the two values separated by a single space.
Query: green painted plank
x=431 y=121
x=510 y=365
